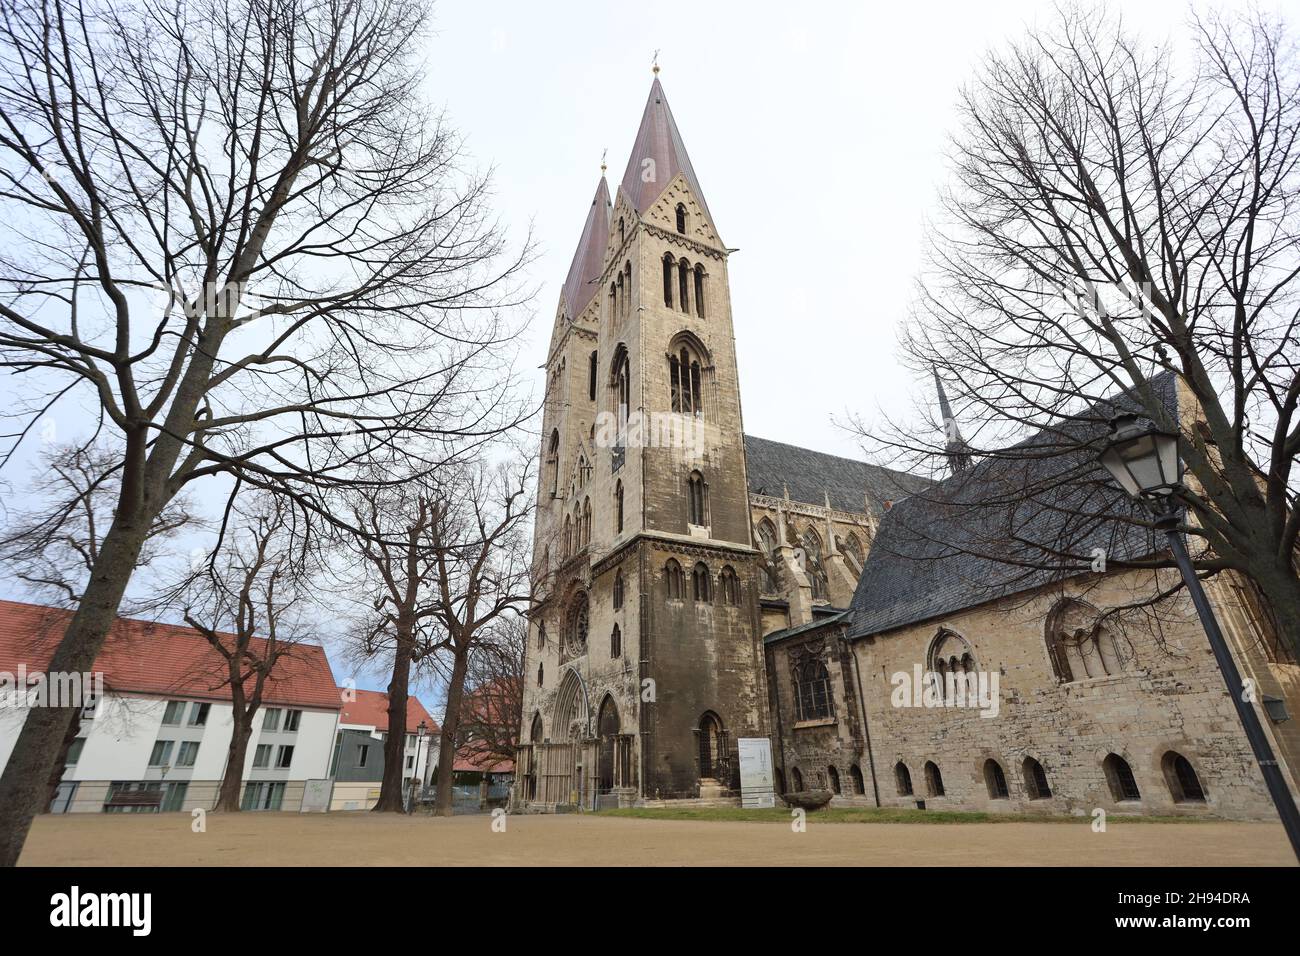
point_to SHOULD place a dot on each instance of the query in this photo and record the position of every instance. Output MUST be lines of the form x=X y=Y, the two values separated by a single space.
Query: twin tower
x=644 y=661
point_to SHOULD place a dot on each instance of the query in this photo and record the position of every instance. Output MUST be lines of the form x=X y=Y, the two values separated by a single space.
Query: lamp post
x=420 y=731
x=1144 y=461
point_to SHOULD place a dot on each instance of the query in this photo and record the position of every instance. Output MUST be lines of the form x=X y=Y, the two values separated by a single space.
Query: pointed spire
x=658 y=154
x=959 y=457
x=589 y=258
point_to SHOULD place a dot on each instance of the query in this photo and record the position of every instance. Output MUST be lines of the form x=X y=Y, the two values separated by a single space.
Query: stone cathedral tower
x=644 y=660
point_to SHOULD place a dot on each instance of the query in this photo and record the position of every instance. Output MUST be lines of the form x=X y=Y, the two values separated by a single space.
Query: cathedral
x=695 y=585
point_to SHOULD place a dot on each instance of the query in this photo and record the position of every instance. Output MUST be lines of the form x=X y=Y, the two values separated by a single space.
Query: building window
x=292 y=718
x=903 y=779
x=616 y=642
x=729 y=584
x=553 y=461
x=952 y=666
x=262 y=756
x=767 y=545
x=1036 y=780
x=363 y=754
x=188 y=754
x=618 y=590
x=797 y=779
x=591 y=376
x=684 y=382
x=699 y=291
x=1184 y=784
x=812 y=563
x=575 y=638
x=161 y=754
x=173 y=713
x=620 y=228
x=1078 y=645
x=271 y=721
x=697 y=497
x=285 y=756
x=618 y=507
x=702 y=583
x=674 y=580
x=74 y=751
x=684 y=285
x=541 y=635
x=668 y=280
x=855 y=774
x=995 y=780
x=1119 y=775
x=540 y=674
x=627 y=284
x=263 y=796
x=833 y=774
x=174 y=796
x=933 y=779
x=812 y=688
x=586 y=522
x=681 y=219
x=853 y=548
x=199 y=715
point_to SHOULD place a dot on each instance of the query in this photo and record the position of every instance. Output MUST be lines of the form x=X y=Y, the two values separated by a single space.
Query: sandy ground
x=274 y=839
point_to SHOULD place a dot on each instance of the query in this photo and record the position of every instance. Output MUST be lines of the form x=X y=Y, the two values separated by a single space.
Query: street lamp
x=1144 y=461
x=420 y=732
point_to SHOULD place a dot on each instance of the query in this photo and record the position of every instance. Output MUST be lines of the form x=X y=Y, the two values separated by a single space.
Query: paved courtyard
x=360 y=839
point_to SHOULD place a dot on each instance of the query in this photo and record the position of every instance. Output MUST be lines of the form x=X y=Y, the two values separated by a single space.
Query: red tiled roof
x=144 y=657
x=370 y=709
x=472 y=760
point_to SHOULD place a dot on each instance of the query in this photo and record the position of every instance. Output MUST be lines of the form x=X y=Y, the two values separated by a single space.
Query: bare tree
x=1114 y=219
x=240 y=231
x=251 y=601
x=52 y=548
x=481 y=548
x=494 y=699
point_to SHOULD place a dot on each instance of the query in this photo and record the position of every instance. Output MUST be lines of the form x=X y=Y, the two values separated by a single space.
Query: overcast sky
x=817 y=130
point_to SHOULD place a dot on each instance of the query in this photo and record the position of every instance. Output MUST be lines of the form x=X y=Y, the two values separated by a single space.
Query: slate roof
x=163 y=660
x=658 y=138
x=998 y=529
x=589 y=257
x=772 y=466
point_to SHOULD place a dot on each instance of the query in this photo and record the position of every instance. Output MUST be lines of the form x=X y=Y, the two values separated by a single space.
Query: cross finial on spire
x=603 y=153
x=655 y=68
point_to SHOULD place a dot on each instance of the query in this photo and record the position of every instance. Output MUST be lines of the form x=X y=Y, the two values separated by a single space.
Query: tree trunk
x=391 y=796
x=1280 y=588
x=232 y=782
x=24 y=783
x=60 y=762
x=450 y=730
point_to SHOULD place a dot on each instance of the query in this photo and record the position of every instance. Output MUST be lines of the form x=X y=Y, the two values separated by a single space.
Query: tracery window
x=684 y=382
x=812 y=684
x=674 y=580
x=702 y=583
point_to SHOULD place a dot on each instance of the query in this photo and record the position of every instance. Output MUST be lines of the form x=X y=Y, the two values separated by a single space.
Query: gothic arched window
x=618 y=507
x=767 y=545
x=699 y=290
x=702 y=583
x=933 y=779
x=812 y=563
x=729 y=585
x=1078 y=645
x=620 y=228
x=541 y=636
x=681 y=219
x=568 y=536
x=627 y=301
x=697 y=497
x=540 y=674
x=618 y=590
x=616 y=642
x=668 y=279
x=684 y=382
x=591 y=376
x=683 y=285
x=903 y=779
x=853 y=548
x=996 y=780
x=951 y=664
x=586 y=522
x=674 y=580
x=833 y=775
x=553 y=460
x=1184 y=784
x=855 y=774
x=812 y=687
x=1035 y=780
x=1119 y=775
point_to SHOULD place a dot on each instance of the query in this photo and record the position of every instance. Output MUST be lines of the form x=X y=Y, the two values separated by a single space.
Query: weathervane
x=656 y=63
x=603 y=153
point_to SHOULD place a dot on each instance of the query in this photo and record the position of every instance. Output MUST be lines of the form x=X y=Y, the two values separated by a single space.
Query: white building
x=161 y=732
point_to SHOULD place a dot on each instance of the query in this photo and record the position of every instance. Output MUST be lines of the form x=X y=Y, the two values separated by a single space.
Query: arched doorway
x=608 y=728
x=712 y=754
